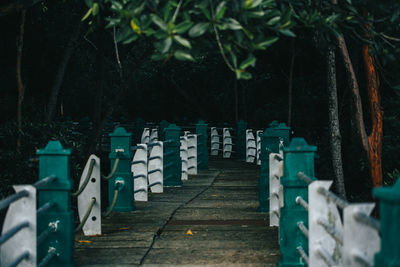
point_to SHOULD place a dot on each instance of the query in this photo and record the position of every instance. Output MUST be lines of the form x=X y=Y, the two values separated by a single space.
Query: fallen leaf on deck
x=189 y=232
x=84 y=241
x=124 y=228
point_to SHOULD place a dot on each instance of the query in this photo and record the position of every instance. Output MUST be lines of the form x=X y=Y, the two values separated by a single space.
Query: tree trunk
x=20 y=86
x=376 y=136
x=334 y=128
x=290 y=86
x=55 y=90
x=356 y=98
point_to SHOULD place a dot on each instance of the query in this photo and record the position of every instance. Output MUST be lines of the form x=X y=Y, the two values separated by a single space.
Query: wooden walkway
x=211 y=220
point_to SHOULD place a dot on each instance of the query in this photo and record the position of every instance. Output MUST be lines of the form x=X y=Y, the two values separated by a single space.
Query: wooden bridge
x=211 y=220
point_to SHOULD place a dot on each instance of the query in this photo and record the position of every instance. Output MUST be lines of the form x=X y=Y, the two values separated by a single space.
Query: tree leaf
x=273 y=21
x=182 y=55
x=206 y=13
x=159 y=22
x=134 y=37
x=199 y=29
x=95 y=9
x=249 y=4
x=287 y=32
x=250 y=61
x=158 y=56
x=87 y=14
x=267 y=42
x=183 y=27
x=233 y=24
x=244 y=75
x=220 y=10
x=182 y=41
x=117 y=6
x=248 y=33
x=166 y=45
x=135 y=27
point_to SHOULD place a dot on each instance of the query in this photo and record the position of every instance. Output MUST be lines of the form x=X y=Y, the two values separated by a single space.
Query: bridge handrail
x=18 y=240
x=336 y=232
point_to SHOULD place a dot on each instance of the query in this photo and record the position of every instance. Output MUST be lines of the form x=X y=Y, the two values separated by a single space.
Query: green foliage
x=23 y=168
x=236 y=27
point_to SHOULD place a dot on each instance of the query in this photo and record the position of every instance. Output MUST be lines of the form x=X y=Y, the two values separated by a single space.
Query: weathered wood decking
x=218 y=206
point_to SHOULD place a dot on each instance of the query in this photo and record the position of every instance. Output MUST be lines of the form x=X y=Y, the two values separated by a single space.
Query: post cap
x=201 y=122
x=269 y=132
x=282 y=126
x=298 y=144
x=173 y=127
x=120 y=132
x=54 y=148
x=274 y=124
x=388 y=194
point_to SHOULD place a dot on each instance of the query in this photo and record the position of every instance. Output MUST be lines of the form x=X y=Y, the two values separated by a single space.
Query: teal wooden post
x=389 y=206
x=161 y=133
x=269 y=144
x=202 y=151
x=241 y=140
x=299 y=156
x=172 y=159
x=283 y=131
x=121 y=148
x=54 y=160
x=274 y=124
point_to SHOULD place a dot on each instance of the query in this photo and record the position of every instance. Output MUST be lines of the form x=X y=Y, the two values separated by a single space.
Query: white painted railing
x=251 y=147
x=276 y=189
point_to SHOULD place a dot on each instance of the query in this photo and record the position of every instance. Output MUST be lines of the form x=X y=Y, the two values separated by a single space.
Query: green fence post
x=161 y=133
x=269 y=144
x=121 y=148
x=389 y=208
x=299 y=156
x=172 y=159
x=241 y=140
x=283 y=131
x=202 y=151
x=54 y=160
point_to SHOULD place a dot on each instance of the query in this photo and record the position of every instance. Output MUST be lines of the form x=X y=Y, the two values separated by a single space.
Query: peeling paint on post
x=299 y=156
x=389 y=203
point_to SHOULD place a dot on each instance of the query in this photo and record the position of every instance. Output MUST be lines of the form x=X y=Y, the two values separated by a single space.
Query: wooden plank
x=225 y=227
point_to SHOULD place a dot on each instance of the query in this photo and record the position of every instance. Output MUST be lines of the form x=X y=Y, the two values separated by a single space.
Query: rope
x=7 y=201
x=44 y=181
x=50 y=254
x=19 y=259
x=12 y=231
x=112 y=171
x=85 y=183
x=114 y=201
x=44 y=208
x=86 y=216
x=45 y=233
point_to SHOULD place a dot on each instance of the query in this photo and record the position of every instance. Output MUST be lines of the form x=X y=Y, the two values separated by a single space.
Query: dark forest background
x=176 y=91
